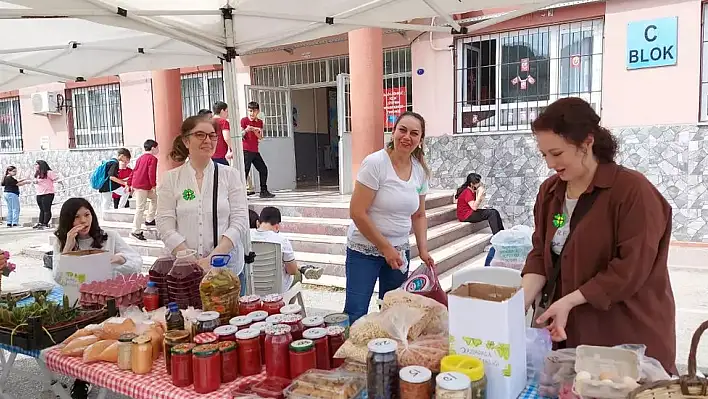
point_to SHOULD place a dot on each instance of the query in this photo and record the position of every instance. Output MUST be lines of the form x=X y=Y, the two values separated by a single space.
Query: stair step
x=125 y=228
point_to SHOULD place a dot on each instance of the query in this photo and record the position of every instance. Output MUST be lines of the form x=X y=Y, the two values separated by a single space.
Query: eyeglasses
x=203 y=136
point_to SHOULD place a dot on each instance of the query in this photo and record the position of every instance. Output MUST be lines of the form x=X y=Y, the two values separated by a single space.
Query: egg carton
x=125 y=290
x=605 y=373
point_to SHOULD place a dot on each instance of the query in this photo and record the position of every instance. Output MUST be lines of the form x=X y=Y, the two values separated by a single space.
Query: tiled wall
x=674 y=158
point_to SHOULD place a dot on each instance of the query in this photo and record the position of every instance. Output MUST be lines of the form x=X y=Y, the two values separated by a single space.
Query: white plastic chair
x=267 y=273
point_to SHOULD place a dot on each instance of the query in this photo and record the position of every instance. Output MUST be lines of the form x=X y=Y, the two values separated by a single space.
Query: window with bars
x=201 y=90
x=704 y=67
x=505 y=80
x=98 y=116
x=10 y=125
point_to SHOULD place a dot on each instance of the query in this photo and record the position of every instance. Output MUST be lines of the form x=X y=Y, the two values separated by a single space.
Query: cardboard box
x=488 y=322
x=85 y=266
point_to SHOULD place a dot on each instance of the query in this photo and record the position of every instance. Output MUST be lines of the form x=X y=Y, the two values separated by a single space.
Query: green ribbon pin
x=188 y=194
x=559 y=220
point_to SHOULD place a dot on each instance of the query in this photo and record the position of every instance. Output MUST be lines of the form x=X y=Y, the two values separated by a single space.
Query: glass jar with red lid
x=249 y=352
x=291 y=309
x=258 y=316
x=277 y=356
x=261 y=328
x=241 y=322
x=295 y=323
x=335 y=334
x=272 y=303
x=229 y=361
x=319 y=337
x=206 y=364
x=226 y=333
x=302 y=357
x=313 y=322
x=181 y=365
x=206 y=338
x=248 y=304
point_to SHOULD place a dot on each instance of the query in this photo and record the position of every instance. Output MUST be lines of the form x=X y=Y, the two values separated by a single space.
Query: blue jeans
x=242 y=279
x=13 y=208
x=362 y=271
x=490 y=256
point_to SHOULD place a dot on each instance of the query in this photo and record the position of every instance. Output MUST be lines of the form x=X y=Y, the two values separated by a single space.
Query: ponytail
x=179 y=152
x=472 y=178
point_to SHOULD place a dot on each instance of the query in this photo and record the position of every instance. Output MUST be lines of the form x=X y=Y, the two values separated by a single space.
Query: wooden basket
x=685 y=387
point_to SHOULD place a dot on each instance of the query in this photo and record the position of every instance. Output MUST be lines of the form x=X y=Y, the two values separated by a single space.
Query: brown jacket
x=616 y=256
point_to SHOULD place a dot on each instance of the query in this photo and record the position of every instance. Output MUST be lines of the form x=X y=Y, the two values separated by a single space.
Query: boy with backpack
x=143 y=182
x=105 y=178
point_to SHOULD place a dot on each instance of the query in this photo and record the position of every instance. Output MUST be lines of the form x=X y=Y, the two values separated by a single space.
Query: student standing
x=143 y=182
x=112 y=181
x=121 y=200
x=44 y=179
x=220 y=118
x=12 y=195
x=252 y=127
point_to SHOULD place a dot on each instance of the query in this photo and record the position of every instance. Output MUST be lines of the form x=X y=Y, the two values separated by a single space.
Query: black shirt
x=110 y=185
x=10 y=184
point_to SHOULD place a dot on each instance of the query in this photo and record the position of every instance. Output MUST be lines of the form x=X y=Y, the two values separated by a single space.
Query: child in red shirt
x=252 y=128
x=124 y=172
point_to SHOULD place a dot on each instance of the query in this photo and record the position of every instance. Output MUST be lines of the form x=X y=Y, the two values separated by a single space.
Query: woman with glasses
x=186 y=194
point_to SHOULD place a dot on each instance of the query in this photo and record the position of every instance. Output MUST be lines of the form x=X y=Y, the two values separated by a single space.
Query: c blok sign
x=652 y=43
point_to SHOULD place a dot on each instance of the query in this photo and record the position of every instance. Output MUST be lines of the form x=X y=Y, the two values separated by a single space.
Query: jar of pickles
x=416 y=382
x=278 y=339
x=295 y=323
x=207 y=322
x=173 y=338
x=302 y=357
x=258 y=316
x=313 y=322
x=240 y=322
x=261 y=328
x=229 y=361
x=452 y=385
x=226 y=333
x=141 y=355
x=382 y=368
x=249 y=352
x=206 y=363
x=181 y=365
x=291 y=309
x=125 y=344
x=335 y=335
x=272 y=303
x=248 y=304
x=319 y=337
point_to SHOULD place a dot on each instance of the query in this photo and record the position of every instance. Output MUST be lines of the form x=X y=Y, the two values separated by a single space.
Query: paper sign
x=575 y=61
x=395 y=103
x=524 y=65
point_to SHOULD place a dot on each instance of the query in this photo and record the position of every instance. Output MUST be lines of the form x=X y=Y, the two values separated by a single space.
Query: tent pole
x=37 y=70
x=442 y=14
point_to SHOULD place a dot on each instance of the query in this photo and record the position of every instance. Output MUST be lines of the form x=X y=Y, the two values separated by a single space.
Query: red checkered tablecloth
x=155 y=385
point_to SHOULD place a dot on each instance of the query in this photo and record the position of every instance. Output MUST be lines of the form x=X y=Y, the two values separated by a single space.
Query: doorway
x=316 y=138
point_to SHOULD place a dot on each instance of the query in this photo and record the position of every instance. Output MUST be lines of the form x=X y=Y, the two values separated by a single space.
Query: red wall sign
x=395 y=103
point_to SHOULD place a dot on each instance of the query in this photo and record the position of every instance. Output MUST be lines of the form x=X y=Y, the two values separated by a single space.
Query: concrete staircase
x=316 y=224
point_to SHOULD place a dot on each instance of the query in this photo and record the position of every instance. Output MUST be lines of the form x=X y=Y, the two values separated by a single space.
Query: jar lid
x=208 y=316
x=270 y=298
x=240 y=321
x=260 y=326
x=453 y=381
x=415 y=374
x=291 y=318
x=275 y=319
x=336 y=318
x=205 y=350
x=467 y=365
x=315 y=333
x=127 y=337
x=205 y=338
x=225 y=330
x=302 y=345
x=313 y=321
x=176 y=335
x=258 y=315
x=142 y=339
x=382 y=345
x=291 y=309
x=182 y=349
x=335 y=330
x=278 y=329
x=227 y=346
x=249 y=299
x=248 y=333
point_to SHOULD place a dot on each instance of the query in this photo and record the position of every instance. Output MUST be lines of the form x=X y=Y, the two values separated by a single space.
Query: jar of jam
x=335 y=335
x=302 y=357
x=295 y=323
x=249 y=352
x=272 y=303
x=229 y=361
x=319 y=337
x=207 y=322
x=181 y=365
x=206 y=363
x=258 y=316
x=275 y=319
x=141 y=355
x=172 y=338
x=248 y=304
x=206 y=338
x=277 y=355
x=240 y=322
x=125 y=347
x=291 y=309
x=382 y=368
x=226 y=333
x=313 y=322
x=416 y=382
x=261 y=328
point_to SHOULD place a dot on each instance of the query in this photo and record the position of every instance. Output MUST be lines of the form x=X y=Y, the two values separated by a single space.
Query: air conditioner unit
x=45 y=103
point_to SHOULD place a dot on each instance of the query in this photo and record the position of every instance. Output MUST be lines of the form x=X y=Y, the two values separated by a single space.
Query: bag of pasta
x=434 y=320
x=426 y=351
x=397 y=319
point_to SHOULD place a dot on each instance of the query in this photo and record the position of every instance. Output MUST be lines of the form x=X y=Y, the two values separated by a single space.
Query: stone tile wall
x=674 y=158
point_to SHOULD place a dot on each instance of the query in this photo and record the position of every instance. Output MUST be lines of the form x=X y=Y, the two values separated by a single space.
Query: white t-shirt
x=285 y=247
x=561 y=235
x=395 y=200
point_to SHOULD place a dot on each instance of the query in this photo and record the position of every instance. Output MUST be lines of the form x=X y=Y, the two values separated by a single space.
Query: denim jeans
x=242 y=279
x=362 y=271
x=490 y=256
x=13 y=208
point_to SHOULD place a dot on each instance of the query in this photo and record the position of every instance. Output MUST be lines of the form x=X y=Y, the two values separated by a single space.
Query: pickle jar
x=416 y=382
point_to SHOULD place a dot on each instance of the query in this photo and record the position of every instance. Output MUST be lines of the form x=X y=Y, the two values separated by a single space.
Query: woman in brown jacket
x=600 y=248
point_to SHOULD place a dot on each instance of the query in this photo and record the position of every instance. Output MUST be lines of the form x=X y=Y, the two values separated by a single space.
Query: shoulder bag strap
x=215 y=198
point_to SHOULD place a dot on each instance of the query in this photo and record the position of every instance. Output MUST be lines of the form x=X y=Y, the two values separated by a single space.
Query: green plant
x=50 y=313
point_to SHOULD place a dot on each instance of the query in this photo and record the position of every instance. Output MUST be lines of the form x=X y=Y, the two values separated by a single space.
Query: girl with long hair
x=44 y=179
x=11 y=188
x=470 y=196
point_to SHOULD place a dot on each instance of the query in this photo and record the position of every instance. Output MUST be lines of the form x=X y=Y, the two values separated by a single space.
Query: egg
x=583 y=376
x=605 y=375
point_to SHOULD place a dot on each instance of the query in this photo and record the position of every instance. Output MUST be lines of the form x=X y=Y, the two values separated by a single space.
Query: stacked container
x=158 y=274
x=183 y=280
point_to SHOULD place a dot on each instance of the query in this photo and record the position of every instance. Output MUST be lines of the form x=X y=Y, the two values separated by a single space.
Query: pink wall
x=653 y=96
x=434 y=90
x=137 y=107
x=34 y=127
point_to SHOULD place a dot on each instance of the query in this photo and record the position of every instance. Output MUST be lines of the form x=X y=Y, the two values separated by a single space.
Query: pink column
x=366 y=71
x=167 y=100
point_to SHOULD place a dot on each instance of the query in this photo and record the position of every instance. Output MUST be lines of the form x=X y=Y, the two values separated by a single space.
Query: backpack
x=100 y=175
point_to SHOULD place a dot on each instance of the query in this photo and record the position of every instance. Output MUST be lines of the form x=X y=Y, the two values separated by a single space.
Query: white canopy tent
x=79 y=39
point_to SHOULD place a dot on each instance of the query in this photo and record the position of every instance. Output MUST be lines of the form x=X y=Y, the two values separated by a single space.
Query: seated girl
x=79 y=230
x=469 y=198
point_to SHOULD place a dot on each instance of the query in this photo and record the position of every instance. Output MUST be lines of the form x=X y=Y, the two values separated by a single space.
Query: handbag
x=233 y=254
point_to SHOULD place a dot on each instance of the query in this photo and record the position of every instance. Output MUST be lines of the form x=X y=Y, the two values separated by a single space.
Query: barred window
x=10 y=125
x=505 y=80
x=98 y=117
x=704 y=67
x=201 y=90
